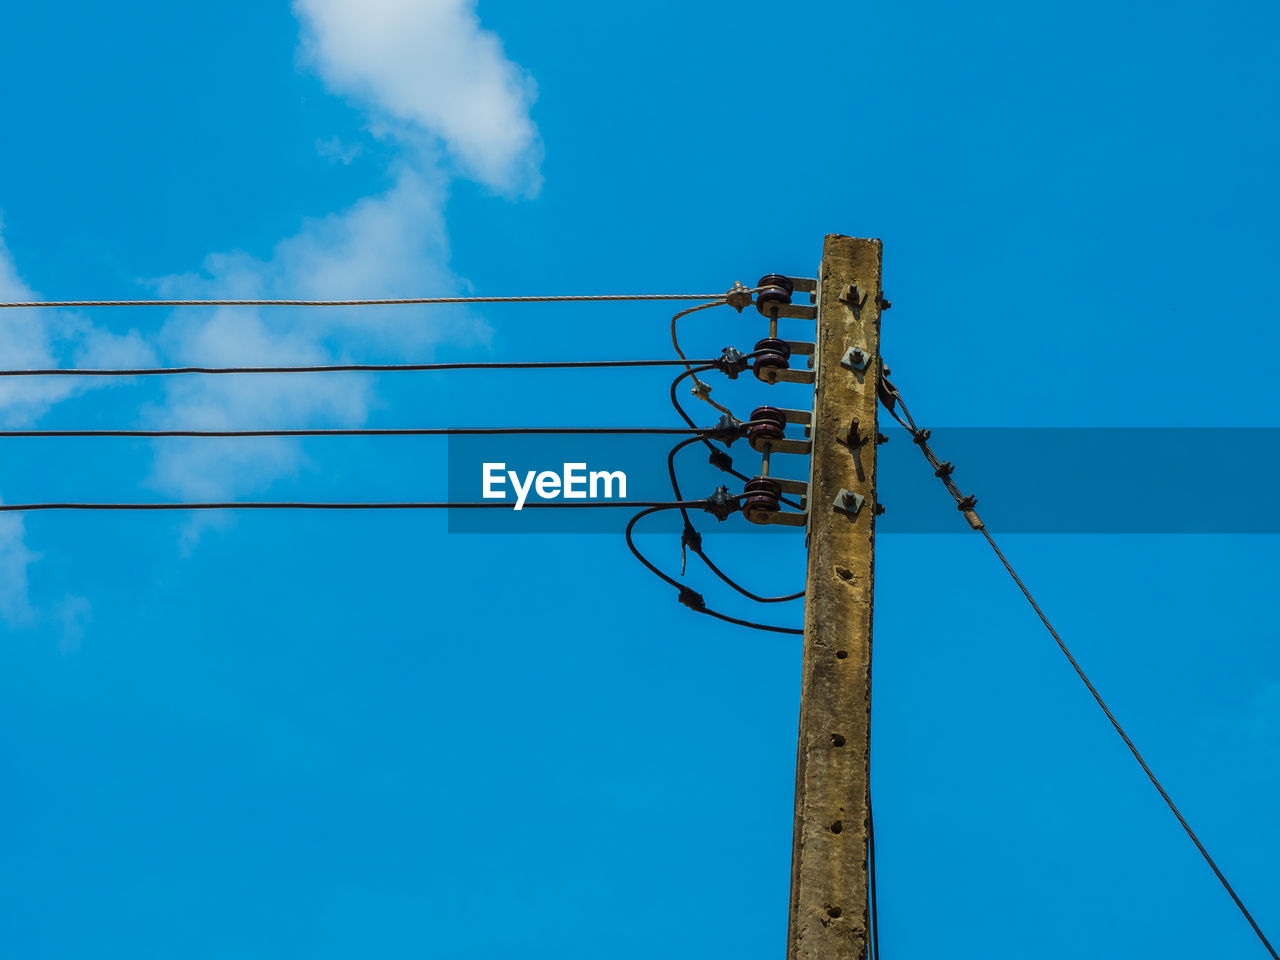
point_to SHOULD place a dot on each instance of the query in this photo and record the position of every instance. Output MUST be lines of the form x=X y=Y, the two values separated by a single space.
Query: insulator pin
x=774 y=293
x=767 y=423
x=761 y=500
x=772 y=355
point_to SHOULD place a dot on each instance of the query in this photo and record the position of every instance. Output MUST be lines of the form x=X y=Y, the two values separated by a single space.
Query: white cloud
x=390 y=244
x=15 y=558
x=32 y=339
x=425 y=69
x=429 y=64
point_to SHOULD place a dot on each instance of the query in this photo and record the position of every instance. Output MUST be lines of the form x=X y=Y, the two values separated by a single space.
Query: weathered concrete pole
x=829 y=890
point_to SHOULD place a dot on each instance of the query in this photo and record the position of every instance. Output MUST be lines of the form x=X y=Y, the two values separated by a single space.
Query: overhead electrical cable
x=691 y=538
x=718 y=457
x=307 y=505
x=690 y=598
x=343 y=368
x=364 y=432
x=373 y=302
x=701 y=388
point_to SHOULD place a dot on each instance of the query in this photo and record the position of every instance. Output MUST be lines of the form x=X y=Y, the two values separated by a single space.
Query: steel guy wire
x=892 y=401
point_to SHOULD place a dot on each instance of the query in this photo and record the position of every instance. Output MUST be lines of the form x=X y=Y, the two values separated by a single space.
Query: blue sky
x=354 y=735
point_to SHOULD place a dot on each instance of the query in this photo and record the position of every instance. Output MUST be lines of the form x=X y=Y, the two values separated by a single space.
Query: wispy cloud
x=15 y=558
x=31 y=339
x=391 y=243
x=436 y=83
x=429 y=65
x=34 y=339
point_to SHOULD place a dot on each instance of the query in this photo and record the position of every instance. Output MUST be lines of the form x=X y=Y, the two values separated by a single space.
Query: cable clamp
x=921 y=437
x=732 y=362
x=945 y=469
x=729 y=429
x=721 y=504
x=885 y=390
x=692 y=599
x=965 y=505
x=738 y=296
x=691 y=538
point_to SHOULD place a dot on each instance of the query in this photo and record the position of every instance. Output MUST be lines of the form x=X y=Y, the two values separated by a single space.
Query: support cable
x=892 y=400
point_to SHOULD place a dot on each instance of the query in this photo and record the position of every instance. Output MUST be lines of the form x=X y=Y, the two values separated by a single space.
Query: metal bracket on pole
x=802 y=311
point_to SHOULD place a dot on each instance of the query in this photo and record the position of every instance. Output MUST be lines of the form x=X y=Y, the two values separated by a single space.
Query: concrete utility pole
x=829 y=889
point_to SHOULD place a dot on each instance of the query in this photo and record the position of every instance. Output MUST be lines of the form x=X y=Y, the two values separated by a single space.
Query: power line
x=382 y=302
x=364 y=432
x=691 y=598
x=718 y=457
x=892 y=400
x=691 y=538
x=306 y=505
x=347 y=368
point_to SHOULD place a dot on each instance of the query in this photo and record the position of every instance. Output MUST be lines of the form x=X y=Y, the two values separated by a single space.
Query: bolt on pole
x=830 y=912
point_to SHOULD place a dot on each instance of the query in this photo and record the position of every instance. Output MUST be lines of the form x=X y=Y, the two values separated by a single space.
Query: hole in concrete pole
x=837 y=827
x=837 y=740
x=834 y=913
x=844 y=573
x=841 y=654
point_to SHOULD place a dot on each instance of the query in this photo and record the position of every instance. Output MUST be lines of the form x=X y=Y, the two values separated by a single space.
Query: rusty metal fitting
x=775 y=292
x=761 y=500
x=772 y=355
